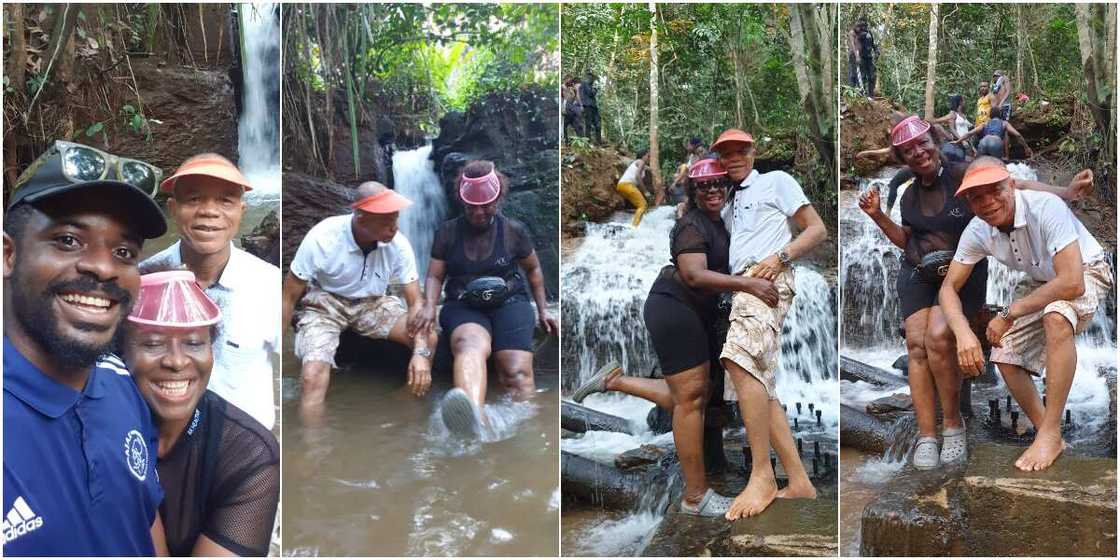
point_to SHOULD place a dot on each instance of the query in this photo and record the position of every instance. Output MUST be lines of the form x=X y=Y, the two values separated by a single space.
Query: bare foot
x=1042 y=453
x=755 y=498
x=803 y=489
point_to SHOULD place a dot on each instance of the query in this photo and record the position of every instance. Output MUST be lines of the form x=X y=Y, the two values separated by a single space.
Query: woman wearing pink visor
x=486 y=265
x=219 y=468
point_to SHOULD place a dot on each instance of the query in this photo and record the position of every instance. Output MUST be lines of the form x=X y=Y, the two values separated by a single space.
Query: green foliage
x=973 y=40
x=697 y=72
x=136 y=122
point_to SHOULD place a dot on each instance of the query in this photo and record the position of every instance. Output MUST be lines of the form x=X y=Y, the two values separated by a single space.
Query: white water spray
x=258 y=142
x=414 y=177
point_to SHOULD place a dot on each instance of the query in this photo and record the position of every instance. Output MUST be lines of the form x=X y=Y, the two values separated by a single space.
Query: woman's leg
x=656 y=391
x=689 y=390
x=921 y=380
x=941 y=354
x=470 y=347
x=754 y=405
x=515 y=372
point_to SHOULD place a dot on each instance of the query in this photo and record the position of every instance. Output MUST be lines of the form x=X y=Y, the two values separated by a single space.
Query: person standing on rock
x=868 y=52
x=587 y=97
x=1035 y=233
x=983 y=105
x=207 y=205
x=1001 y=94
x=629 y=186
x=761 y=214
x=79 y=442
x=573 y=109
x=340 y=278
x=681 y=313
x=491 y=269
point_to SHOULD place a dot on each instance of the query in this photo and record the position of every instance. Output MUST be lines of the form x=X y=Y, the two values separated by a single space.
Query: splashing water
x=413 y=177
x=258 y=130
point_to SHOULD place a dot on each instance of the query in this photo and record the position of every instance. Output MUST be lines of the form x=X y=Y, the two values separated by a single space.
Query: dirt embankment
x=589 y=177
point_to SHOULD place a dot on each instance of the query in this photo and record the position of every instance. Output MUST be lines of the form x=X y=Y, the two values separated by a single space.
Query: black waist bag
x=485 y=292
x=935 y=265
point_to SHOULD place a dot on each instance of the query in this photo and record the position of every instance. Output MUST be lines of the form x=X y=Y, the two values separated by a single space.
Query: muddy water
x=382 y=476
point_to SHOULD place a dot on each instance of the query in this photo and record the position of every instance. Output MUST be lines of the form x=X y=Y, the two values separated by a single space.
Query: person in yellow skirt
x=983 y=105
x=629 y=186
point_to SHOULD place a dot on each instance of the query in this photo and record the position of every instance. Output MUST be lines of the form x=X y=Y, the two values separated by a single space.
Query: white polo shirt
x=759 y=216
x=330 y=258
x=1044 y=225
x=248 y=293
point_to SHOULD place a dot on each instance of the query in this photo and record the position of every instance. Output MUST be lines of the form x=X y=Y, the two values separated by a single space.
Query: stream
x=870 y=334
x=605 y=323
x=383 y=477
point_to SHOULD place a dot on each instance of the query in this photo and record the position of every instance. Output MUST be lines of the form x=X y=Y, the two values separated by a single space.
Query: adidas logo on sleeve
x=19 y=521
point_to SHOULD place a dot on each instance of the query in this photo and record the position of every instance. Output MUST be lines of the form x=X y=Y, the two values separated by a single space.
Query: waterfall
x=869 y=305
x=414 y=177
x=258 y=131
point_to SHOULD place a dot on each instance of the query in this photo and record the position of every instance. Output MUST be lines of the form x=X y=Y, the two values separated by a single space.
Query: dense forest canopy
x=1034 y=44
x=697 y=44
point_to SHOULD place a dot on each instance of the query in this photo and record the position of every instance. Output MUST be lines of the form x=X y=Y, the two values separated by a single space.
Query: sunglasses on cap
x=84 y=164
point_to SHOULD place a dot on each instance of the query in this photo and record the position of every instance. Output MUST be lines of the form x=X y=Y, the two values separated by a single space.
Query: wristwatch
x=422 y=352
x=1005 y=313
x=784 y=257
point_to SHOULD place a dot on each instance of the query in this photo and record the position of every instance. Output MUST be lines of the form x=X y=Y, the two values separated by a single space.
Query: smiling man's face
x=208 y=212
x=71 y=277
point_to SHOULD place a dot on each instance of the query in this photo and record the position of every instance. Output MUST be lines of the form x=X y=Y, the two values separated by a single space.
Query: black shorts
x=680 y=337
x=511 y=326
x=915 y=293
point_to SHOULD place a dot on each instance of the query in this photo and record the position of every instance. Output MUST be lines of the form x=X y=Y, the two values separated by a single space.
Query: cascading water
x=414 y=177
x=605 y=285
x=258 y=130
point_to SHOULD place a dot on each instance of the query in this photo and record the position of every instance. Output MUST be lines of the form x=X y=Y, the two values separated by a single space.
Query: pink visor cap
x=480 y=191
x=173 y=299
x=907 y=130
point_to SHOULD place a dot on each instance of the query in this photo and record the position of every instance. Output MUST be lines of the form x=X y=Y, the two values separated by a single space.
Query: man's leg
x=754 y=405
x=1061 y=364
x=515 y=373
x=315 y=378
x=941 y=355
x=689 y=390
x=784 y=446
x=319 y=325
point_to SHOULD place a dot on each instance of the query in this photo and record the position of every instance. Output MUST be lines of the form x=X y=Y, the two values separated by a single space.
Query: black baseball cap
x=45 y=179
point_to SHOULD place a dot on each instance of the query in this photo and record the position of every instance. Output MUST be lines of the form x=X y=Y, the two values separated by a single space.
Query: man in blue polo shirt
x=79 y=443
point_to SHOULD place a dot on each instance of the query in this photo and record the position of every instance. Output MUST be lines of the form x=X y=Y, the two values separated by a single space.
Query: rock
x=196 y=113
x=307 y=201
x=589 y=482
x=782 y=545
x=902 y=364
x=589 y=179
x=898 y=402
x=264 y=241
x=866 y=125
x=862 y=431
x=920 y=517
x=640 y=457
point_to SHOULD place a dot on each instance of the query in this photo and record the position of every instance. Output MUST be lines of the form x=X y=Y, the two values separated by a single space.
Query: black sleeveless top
x=932 y=229
x=695 y=232
x=471 y=253
x=222 y=480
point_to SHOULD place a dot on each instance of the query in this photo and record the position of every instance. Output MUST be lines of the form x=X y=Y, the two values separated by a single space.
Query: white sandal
x=926 y=456
x=955 y=445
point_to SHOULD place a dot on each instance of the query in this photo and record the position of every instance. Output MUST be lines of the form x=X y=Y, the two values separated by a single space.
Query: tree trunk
x=738 y=85
x=931 y=61
x=819 y=104
x=1089 y=63
x=17 y=43
x=654 y=160
x=324 y=30
x=1019 y=45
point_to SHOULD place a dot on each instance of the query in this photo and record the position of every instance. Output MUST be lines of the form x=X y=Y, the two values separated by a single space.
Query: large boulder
x=307 y=200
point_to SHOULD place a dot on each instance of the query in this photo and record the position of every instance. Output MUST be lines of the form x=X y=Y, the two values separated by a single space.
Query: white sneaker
x=954 y=446
x=926 y=455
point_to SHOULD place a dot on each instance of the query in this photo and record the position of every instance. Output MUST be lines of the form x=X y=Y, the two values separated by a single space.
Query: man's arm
x=970 y=355
x=1078 y=187
x=1069 y=284
x=812 y=234
x=294 y=288
x=971 y=133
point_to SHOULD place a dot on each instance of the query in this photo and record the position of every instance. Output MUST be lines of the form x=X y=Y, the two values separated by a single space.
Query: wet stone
x=640 y=457
x=898 y=402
